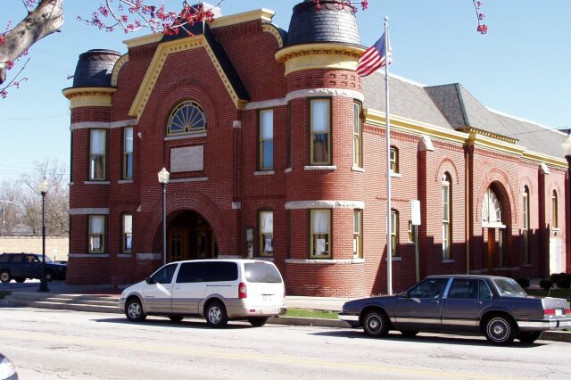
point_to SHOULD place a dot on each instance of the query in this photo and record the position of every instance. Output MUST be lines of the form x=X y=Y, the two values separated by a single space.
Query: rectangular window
x=358 y=234
x=394 y=160
x=410 y=232
x=127 y=153
x=127 y=233
x=394 y=232
x=554 y=210
x=96 y=233
x=357 y=136
x=97 y=150
x=266 y=235
x=526 y=226
x=266 y=140
x=320 y=120
x=320 y=234
x=288 y=158
x=445 y=219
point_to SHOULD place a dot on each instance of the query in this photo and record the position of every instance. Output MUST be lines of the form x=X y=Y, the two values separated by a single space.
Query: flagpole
x=388 y=150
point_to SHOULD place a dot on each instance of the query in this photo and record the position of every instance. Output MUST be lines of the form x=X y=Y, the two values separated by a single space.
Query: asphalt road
x=52 y=344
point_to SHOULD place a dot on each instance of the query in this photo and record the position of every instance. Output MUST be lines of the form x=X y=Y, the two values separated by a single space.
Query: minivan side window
x=207 y=272
x=262 y=273
x=164 y=275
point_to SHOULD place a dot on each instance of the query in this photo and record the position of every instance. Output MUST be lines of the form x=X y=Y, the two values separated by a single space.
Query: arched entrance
x=494 y=230
x=190 y=236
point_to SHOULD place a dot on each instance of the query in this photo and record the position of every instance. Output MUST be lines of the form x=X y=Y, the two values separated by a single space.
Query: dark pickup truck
x=20 y=266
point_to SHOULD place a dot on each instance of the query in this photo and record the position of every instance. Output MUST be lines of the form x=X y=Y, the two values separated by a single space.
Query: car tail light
x=549 y=312
x=568 y=311
x=242 y=291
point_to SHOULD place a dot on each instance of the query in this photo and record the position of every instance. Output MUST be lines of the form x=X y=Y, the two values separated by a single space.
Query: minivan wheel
x=5 y=277
x=216 y=314
x=500 y=330
x=258 y=321
x=134 y=310
x=376 y=324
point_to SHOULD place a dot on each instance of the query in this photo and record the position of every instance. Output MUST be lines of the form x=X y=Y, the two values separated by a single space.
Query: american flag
x=374 y=57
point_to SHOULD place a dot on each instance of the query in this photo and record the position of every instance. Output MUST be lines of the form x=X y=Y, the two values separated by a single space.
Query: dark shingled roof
x=330 y=23
x=94 y=68
x=452 y=106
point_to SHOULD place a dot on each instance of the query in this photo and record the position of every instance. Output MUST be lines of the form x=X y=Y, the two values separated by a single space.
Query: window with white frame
x=394 y=160
x=554 y=210
x=266 y=140
x=97 y=154
x=320 y=224
x=525 y=226
x=446 y=208
x=127 y=233
x=358 y=234
x=266 y=234
x=96 y=233
x=127 y=153
x=320 y=127
x=394 y=232
x=357 y=135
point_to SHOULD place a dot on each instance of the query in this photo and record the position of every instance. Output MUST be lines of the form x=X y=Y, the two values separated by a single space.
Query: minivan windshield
x=261 y=272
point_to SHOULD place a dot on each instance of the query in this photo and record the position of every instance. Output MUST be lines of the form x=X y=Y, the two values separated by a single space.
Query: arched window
x=186 y=119
x=491 y=209
x=525 y=226
x=554 y=210
x=446 y=212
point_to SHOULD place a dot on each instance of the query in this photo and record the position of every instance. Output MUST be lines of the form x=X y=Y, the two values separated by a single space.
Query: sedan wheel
x=216 y=314
x=5 y=277
x=376 y=324
x=528 y=337
x=500 y=330
x=134 y=311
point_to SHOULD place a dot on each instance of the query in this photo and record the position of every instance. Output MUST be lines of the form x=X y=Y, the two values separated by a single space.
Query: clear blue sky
x=521 y=67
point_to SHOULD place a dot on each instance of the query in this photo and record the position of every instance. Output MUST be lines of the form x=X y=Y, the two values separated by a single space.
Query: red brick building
x=276 y=149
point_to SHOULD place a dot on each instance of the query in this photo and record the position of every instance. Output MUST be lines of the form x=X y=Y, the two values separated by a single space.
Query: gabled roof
x=452 y=106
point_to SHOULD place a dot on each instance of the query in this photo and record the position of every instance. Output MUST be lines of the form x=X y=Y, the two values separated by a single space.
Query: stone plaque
x=187 y=159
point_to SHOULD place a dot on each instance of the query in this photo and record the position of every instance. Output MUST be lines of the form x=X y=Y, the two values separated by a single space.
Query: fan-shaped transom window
x=491 y=210
x=186 y=119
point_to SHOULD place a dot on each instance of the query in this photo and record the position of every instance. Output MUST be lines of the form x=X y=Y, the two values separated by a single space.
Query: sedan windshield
x=509 y=287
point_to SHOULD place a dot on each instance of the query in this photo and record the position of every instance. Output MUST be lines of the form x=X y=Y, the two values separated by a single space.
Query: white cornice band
x=103 y=124
x=88 y=211
x=305 y=205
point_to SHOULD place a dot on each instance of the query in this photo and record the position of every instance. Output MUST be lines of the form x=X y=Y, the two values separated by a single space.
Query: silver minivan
x=219 y=290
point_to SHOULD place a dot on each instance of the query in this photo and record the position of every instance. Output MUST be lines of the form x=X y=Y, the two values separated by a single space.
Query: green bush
x=523 y=282
x=563 y=283
x=546 y=284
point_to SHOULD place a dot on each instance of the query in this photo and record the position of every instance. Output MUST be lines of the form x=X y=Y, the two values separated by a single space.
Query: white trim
x=271 y=103
x=89 y=255
x=237 y=124
x=357 y=169
x=103 y=124
x=324 y=261
x=183 y=137
x=149 y=256
x=236 y=205
x=124 y=255
x=184 y=180
x=88 y=211
x=264 y=172
x=320 y=92
x=97 y=183
x=543 y=169
x=305 y=205
x=124 y=181
x=288 y=170
x=320 y=167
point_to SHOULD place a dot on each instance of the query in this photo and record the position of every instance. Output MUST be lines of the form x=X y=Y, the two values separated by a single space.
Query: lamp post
x=566 y=145
x=43 y=190
x=164 y=176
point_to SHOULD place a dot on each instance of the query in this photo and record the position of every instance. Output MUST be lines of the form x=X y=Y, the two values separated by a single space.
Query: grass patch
x=556 y=293
x=308 y=313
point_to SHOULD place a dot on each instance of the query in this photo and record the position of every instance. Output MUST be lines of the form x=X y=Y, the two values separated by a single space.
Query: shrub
x=564 y=283
x=554 y=277
x=523 y=282
x=546 y=284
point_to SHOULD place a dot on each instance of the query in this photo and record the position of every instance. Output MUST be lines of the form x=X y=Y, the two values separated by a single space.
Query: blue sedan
x=492 y=305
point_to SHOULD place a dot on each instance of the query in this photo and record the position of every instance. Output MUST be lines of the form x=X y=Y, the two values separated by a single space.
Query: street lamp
x=43 y=188
x=164 y=176
x=566 y=145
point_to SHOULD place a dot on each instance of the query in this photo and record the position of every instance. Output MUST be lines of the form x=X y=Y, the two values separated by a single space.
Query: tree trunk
x=46 y=19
